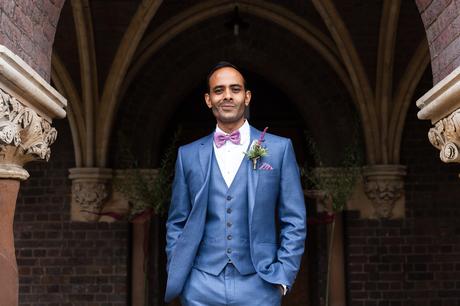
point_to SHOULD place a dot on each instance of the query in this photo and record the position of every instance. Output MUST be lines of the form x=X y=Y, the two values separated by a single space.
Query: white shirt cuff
x=285 y=289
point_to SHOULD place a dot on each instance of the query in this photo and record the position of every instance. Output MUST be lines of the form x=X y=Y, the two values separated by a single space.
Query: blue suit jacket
x=272 y=194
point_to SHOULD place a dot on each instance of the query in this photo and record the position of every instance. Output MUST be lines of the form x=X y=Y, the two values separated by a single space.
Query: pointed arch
x=61 y=78
x=121 y=62
x=205 y=10
x=384 y=77
x=88 y=71
x=354 y=66
x=409 y=81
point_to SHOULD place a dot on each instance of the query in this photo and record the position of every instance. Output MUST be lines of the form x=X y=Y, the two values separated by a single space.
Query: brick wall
x=27 y=28
x=415 y=261
x=441 y=19
x=62 y=262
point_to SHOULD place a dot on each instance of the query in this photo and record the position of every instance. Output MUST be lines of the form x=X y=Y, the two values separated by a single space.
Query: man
x=236 y=227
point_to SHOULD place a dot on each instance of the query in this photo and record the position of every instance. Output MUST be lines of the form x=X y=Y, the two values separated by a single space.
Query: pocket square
x=265 y=166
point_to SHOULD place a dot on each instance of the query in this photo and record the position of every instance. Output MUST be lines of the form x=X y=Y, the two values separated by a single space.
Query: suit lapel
x=253 y=176
x=205 y=153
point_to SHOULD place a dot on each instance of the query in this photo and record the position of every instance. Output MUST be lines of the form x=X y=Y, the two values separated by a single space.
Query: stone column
x=441 y=105
x=27 y=105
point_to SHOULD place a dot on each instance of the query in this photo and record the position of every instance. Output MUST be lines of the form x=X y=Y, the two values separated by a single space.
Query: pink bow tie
x=220 y=139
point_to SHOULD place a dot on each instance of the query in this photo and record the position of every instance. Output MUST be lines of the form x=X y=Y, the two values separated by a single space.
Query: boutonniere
x=256 y=150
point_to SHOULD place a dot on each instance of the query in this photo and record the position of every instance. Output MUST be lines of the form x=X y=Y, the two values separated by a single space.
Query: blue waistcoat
x=226 y=232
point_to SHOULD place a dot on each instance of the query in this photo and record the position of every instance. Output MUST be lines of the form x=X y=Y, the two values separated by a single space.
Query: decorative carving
x=89 y=192
x=384 y=185
x=24 y=136
x=89 y=196
x=445 y=136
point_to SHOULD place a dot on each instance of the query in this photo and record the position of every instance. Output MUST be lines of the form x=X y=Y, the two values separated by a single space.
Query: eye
x=218 y=91
x=236 y=89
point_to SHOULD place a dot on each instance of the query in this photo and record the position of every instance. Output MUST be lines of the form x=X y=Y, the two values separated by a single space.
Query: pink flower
x=261 y=138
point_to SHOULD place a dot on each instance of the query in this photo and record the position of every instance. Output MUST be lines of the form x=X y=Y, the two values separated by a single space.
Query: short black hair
x=220 y=65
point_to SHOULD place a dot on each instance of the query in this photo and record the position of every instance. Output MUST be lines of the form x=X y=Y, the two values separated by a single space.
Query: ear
x=247 y=98
x=207 y=99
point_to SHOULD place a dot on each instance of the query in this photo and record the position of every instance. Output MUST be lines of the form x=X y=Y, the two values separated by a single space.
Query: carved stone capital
x=445 y=136
x=90 y=189
x=24 y=136
x=441 y=105
x=384 y=185
x=27 y=105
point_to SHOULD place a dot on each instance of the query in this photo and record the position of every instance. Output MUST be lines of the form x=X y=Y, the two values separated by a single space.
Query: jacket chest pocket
x=269 y=181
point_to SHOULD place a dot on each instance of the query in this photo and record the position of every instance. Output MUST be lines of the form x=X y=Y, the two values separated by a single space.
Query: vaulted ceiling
x=138 y=65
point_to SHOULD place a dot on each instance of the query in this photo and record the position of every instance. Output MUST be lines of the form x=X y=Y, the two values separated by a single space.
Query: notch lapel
x=253 y=176
x=205 y=153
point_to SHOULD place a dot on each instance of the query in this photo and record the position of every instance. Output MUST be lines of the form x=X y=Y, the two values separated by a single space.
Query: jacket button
x=229 y=198
x=229 y=250
x=229 y=210
x=229 y=224
x=229 y=237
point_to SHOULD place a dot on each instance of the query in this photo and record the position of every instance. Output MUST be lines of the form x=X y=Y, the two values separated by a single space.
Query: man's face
x=227 y=96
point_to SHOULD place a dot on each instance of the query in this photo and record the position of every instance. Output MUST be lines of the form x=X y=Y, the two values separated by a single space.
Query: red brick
x=422 y=4
x=433 y=11
x=8 y=7
x=442 y=22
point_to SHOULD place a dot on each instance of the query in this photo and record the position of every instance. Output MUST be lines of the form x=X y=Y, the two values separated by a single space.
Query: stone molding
x=22 y=82
x=441 y=105
x=384 y=185
x=90 y=189
x=27 y=105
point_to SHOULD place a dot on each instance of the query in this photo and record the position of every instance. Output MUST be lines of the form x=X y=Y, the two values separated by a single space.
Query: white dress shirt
x=230 y=155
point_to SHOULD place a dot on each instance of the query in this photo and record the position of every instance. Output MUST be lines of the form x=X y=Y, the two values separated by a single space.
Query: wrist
x=284 y=289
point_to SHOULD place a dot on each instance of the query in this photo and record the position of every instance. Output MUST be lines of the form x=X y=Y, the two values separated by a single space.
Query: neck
x=231 y=127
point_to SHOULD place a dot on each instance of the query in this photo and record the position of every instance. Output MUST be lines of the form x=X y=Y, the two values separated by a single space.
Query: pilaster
x=27 y=106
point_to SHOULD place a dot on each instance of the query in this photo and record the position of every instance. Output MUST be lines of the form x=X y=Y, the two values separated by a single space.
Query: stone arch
x=329 y=125
x=273 y=13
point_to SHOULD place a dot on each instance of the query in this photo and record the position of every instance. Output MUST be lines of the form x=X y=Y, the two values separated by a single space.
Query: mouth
x=227 y=106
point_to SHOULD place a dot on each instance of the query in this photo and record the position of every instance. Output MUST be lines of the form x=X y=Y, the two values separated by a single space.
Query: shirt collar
x=244 y=131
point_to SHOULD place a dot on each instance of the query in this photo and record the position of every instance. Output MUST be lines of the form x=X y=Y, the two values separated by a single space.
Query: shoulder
x=276 y=139
x=193 y=147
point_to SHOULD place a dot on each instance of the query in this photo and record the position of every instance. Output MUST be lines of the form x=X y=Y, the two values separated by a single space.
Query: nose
x=228 y=93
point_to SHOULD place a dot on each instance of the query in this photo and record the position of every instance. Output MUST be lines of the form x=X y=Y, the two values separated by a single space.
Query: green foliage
x=256 y=151
x=337 y=183
x=145 y=190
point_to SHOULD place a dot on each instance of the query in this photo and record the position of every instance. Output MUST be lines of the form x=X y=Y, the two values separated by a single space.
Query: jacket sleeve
x=179 y=209
x=292 y=217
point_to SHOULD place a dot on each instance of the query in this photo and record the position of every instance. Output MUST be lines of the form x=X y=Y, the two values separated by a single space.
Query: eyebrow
x=232 y=85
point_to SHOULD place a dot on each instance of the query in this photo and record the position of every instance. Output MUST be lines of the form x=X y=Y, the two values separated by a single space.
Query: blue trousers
x=229 y=288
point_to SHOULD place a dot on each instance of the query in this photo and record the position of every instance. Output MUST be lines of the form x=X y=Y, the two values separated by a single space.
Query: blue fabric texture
x=228 y=288
x=273 y=197
x=226 y=231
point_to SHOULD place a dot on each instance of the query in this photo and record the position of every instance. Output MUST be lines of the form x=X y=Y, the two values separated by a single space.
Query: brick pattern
x=441 y=19
x=27 y=28
x=415 y=261
x=62 y=262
